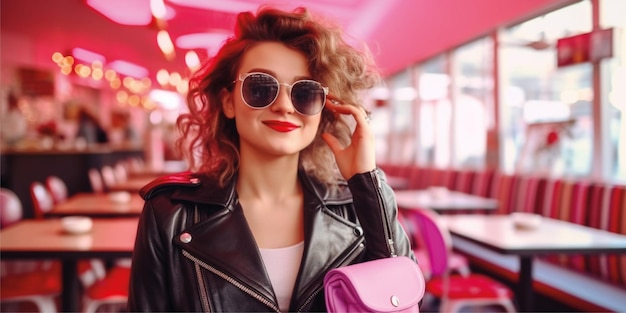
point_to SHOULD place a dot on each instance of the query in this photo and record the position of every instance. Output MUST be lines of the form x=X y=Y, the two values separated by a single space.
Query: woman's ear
x=228 y=105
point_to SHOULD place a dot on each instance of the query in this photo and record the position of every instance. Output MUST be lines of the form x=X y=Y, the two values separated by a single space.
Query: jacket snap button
x=194 y=180
x=185 y=237
x=358 y=231
x=395 y=301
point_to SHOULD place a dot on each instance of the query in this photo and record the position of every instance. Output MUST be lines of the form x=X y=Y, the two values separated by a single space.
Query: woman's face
x=278 y=129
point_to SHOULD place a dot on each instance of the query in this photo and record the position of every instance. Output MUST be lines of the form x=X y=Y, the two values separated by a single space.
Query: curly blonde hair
x=209 y=140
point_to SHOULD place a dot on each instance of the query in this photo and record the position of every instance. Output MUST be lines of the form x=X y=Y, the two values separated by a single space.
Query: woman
x=284 y=191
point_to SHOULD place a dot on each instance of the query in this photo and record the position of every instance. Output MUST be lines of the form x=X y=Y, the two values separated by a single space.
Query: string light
x=165 y=44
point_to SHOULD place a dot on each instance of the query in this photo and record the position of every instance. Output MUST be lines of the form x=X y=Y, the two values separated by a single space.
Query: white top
x=282 y=266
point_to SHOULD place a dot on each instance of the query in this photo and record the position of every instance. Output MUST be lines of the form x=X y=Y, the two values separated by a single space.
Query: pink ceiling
x=400 y=32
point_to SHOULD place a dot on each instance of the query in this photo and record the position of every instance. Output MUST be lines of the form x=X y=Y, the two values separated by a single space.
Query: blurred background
x=521 y=86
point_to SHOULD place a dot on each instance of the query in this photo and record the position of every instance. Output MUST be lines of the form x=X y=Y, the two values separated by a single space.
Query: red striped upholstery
x=416 y=177
x=427 y=177
x=610 y=217
x=449 y=178
x=503 y=190
x=529 y=194
x=482 y=183
x=579 y=201
x=598 y=195
x=616 y=264
x=438 y=177
x=595 y=205
x=465 y=180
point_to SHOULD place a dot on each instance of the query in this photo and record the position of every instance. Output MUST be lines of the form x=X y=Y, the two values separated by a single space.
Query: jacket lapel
x=232 y=249
x=329 y=240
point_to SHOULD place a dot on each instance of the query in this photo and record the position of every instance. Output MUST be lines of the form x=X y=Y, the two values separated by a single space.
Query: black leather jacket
x=195 y=252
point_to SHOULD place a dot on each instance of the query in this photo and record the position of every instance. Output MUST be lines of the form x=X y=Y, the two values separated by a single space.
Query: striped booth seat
x=597 y=205
x=482 y=182
x=504 y=189
x=607 y=211
x=464 y=180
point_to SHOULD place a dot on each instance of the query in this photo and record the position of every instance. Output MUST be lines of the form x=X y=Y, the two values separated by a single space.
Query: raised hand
x=359 y=155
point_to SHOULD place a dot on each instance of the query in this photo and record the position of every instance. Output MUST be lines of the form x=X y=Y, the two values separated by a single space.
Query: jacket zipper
x=206 y=304
x=381 y=204
x=349 y=258
x=231 y=280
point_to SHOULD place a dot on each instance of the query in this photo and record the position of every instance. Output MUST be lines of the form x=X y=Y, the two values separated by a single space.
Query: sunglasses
x=260 y=90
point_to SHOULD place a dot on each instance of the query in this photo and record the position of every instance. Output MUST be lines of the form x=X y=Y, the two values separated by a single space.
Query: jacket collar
x=210 y=193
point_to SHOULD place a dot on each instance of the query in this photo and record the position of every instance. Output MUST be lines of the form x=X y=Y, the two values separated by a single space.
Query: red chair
x=458 y=263
x=42 y=199
x=112 y=289
x=25 y=281
x=95 y=179
x=39 y=281
x=10 y=208
x=108 y=176
x=57 y=188
x=120 y=171
x=456 y=291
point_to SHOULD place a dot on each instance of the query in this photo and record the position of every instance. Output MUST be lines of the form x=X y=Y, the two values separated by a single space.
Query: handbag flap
x=383 y=285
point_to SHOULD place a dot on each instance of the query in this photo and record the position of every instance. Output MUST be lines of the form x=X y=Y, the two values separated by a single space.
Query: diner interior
x=500 y=125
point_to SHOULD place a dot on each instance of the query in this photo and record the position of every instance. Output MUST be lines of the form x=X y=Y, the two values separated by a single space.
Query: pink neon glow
x=87 y=56
x=125 y=12
x=157 y=7
x=191 y=59
x=165 y=42
x=128 y=69
x=228 y=6
x=209 y=41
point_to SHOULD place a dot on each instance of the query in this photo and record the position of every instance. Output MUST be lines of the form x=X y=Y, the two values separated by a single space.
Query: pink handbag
x=384 y=285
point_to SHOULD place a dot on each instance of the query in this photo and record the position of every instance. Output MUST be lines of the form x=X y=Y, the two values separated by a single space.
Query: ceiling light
x=87 y=56
x=163 y=77
x=125 y=12
x=169 y=100
x=128 y=68
x=165 y=44
x=157 y=7
x=232 y=6
x=192 y=60
x=211 y=41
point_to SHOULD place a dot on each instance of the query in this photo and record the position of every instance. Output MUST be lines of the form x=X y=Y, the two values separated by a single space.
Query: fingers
x=332 y=142
x=358 y=113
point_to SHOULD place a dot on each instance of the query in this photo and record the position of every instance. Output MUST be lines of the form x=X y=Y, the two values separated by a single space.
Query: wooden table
x=498 y=233
x=443 y=202
x=44 y=239
x=132 y=184
x=98 y=205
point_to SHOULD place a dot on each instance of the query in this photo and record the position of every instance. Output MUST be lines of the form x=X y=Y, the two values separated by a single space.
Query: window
x=474 y=106
x=545 y=111
x=435 y=112
x=613 y=80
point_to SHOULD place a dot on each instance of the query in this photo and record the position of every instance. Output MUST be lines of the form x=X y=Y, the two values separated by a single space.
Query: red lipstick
x=281 y=126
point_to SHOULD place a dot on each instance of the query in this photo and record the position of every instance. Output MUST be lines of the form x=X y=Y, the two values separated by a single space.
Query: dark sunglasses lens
x=259 y=90
x=307 y=97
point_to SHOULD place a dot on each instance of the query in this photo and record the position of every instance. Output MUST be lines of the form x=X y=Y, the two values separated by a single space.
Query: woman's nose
x=283 y=100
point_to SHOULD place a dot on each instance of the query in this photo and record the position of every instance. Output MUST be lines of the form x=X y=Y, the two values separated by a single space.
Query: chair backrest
x=95 y=180
x=10 y=208
x=136 y=165
x=108 y=176
x=42 y=199
x=120 y=171
x=57 y=188
x=436 y=239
